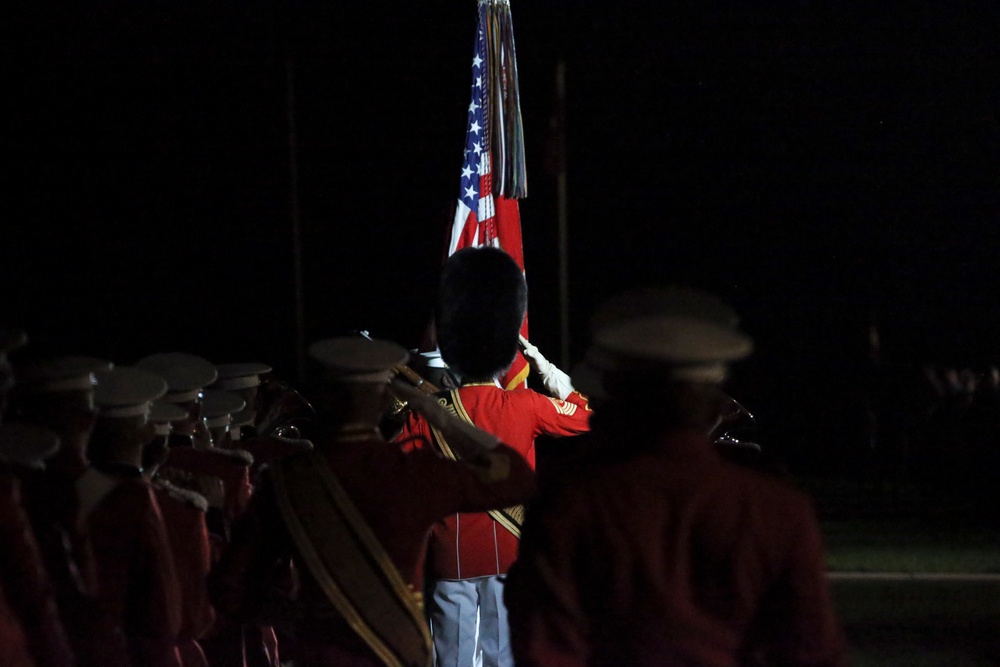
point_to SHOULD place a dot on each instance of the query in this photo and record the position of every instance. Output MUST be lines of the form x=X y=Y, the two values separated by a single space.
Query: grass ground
x=920 y=621
x=940 y=607
x=902 y=529
x=911 y=545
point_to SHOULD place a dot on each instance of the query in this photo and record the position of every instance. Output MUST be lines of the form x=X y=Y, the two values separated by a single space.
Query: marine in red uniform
x=16 y=535
x=137 y=579
x=482 y=299
x=183 y=514
x=192 y=453
x=31 y=630
x=661 y=552
x=57 y=393
x=468 y=546
x=11 y=513
x=373 y=489
x=192 y=449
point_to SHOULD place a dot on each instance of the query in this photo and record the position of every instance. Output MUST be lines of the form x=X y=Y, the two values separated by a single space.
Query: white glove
x=556 y=382
x=469 y=441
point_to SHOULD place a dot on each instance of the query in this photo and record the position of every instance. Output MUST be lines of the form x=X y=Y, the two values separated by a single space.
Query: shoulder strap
x=510 y=518
x=348 y=562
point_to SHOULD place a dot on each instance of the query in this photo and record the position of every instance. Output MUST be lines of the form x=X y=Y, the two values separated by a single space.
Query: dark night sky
x=813 y=163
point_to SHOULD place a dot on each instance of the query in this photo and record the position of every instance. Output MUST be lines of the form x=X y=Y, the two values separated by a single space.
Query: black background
x=822 y=166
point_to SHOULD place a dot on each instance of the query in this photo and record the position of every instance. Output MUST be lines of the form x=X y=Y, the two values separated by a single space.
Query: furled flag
x=493 y=174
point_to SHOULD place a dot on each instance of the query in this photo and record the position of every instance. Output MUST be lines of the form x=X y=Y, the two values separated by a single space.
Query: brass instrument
x=284 y=412
x=733 y=416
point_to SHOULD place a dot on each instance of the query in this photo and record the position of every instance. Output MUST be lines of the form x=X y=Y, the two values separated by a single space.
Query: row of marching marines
x=180 y=513
x=122 y=484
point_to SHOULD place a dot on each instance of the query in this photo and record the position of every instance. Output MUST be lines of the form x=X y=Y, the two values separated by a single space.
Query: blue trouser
x=469 y=623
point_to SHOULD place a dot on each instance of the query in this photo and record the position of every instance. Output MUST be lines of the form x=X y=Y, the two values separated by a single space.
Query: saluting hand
x=555 y=381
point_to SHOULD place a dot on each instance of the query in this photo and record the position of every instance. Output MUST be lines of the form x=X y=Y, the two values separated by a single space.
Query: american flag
x=487 y=211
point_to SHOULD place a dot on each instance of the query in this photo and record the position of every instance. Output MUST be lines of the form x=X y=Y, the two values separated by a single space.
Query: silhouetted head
x=351 y=382
x=482 y=298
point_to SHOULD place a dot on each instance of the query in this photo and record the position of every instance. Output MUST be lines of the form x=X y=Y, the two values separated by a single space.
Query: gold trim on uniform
x=510 y=518
x=324 y=578
x=519 y=378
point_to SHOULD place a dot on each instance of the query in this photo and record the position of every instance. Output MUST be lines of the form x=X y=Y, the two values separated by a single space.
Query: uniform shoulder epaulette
x=186 y=496
x=241 y=455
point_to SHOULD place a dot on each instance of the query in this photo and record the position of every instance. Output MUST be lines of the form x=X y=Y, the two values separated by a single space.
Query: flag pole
x=293 y=178
x=563 y=215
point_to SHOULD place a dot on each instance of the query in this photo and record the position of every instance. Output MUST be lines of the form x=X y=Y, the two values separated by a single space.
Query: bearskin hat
x=482 y=298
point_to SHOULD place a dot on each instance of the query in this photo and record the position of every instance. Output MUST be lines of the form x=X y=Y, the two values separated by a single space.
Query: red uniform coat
x=674 y=557
x=464 y=546
x=184 y=517
x=31 y=632
x=226 y=639
x=135 y=569
x=12 y=636
x=399 y=495
x=53 y=507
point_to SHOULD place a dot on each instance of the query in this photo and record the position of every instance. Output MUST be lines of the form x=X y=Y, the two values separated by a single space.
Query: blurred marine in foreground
x=664 y=553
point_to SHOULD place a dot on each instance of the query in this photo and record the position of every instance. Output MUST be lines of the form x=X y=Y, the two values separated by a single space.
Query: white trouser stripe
x=496 y=547
x=458 y=552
